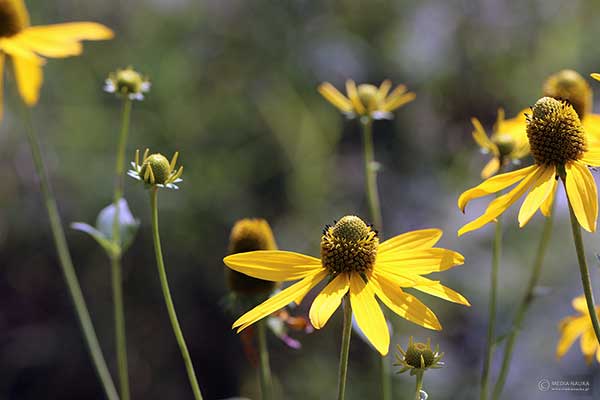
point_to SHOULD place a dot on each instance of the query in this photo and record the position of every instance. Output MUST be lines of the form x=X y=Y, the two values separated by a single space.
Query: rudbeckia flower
x=560 y=149
x=367 y=100
x=355 y=264
x=576 y=326
x=24 y=44
x=507 y=143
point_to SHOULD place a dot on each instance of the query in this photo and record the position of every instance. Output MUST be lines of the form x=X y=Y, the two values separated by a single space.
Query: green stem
x=265 y=368
x=386 y=387
x=371 y=175
x=490 y=344
x=66 y=263
x=525 y=303
x=345 y=349
x=168 y=300
x=583 y=268
x=419 y=385
x=116 y=269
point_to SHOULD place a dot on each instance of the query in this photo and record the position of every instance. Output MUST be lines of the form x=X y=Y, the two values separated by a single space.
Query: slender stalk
x=525 y=303
x=583 y=269
x=116 y=269
x=66 y=263
x=419 y=385
x=372 y=193
x=345 y=349
x=490 y=344
x=266 y=386
x=168 y=300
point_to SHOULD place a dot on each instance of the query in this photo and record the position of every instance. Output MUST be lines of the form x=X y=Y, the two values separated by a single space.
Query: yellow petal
x=443 y=292
x=1 y=85
x=404 y=304
x=368 y=314
x=72 y=31
x=12 y=48
x=353 y=96
x=48 y=47
x=394 y=102
x=273 y=265
x=570 y=329
x=541 y=190
x=421 y=261
x=589 y=343
x=279 y=301
x=328 y=300
x=493 y=185
x=482 y=139
x=582 y=194
x=29 y=79
x=580 y=304
x=383 y=91
x=591 y=127
x=421 y=239
x=546 y=207
x=332 y=95
x=490 y=168
x=500 y=204
x=596 y=76
x=592 y=154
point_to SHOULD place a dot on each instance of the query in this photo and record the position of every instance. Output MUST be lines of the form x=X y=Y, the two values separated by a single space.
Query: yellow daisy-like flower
x=354 y=262
x=576 y=326
x=560 y=149
x=367 y=100
x=24 y=44
x=507 y=143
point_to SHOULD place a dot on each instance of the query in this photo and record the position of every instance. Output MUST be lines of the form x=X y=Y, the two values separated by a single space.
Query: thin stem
x=265 y=369
x=116 y=269
x=583 y=268
x=419 y=385
x=168 y=300
x=371 y=174
x=345 y=349
x=66 y=263
x=386 y=387
x=525 y=303
x=490 y=344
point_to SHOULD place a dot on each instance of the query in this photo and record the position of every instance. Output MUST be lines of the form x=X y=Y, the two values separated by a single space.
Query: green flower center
x=160 y=166
x=414 y=353
x=570 y=86
x=128 y=81
x=555 y=132
x=349 y=246
x=368 y=96
x=12 y=19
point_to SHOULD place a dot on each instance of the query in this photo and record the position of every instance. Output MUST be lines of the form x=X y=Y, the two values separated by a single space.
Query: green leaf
x=128 y=225
x=102 y=240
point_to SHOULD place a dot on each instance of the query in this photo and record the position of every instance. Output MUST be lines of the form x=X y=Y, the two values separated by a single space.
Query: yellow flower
x=560 y=149
x=367 y=100
x=24 y=44
x=352 y=261
x=507 y=143
x=575 y=326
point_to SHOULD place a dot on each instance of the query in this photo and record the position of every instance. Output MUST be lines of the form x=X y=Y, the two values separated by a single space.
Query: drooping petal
x=420 y=239
x=352 y=92
x=29 y=79
x=591 y=126
x=328 y=300
x=46 y=46
x=12 y=48
x=546 y=207
x=494 y=184
x=482 y=139
x=500 y=204
x=368 y=314
x=542 y=188
x=421 y=261
x=280 y=300
x=332 y=95
x=72 y=31
x=589 y=343
x=582 y=194
x=490 y=168
x=580 y=304
x=570 y=329
x=592 y=154
x=404 y=304
x=443 y=292
x=273 y=265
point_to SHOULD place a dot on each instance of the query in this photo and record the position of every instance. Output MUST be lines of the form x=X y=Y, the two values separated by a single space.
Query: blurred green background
x=234 y=90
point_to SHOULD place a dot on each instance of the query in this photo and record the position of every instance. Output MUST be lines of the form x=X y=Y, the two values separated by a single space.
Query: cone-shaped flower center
x=414 y=353
x=349 y=246
x=13 y=17
x=570 y=86
x=555 y=132
x=368 y=96
x=160 y=168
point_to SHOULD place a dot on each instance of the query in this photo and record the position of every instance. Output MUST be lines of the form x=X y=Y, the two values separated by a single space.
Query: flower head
x=156 y=170
x=576 y=326
x=26 y=45
x=507 y=143
x=418 y=357
x=569 y=85
x=367 y=100
x=560 y=148
x=355 y=264
x=127 y=82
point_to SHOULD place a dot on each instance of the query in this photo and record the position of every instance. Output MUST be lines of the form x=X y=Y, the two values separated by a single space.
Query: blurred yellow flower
x=507 y=143
x=560 y=149
x=352 y=261
x=24 y=44
x=575 y=326
x=366 y=99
